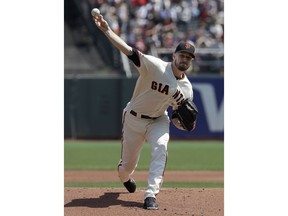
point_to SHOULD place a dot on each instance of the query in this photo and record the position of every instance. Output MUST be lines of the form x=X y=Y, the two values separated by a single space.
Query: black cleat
x=150 y=203
x=130 y=185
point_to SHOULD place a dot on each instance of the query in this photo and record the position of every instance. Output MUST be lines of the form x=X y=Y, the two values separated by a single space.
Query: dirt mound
x=117 y=201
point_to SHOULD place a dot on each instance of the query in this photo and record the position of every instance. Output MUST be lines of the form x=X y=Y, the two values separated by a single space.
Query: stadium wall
x=93 y=108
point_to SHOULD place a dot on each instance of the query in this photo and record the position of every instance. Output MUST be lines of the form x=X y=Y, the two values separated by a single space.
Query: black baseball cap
x=186 y=47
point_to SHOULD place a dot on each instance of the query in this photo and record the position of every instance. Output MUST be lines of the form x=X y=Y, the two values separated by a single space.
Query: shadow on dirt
x=104 y=201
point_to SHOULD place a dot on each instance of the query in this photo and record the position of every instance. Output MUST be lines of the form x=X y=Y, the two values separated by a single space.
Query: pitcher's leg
x=158 y=137
x=130 y=155
x=132 y=143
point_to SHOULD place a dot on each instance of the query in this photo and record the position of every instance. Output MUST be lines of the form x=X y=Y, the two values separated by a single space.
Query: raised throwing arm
x=102 y=24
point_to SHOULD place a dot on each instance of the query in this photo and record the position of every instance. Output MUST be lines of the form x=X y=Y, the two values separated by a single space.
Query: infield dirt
x=117 y=201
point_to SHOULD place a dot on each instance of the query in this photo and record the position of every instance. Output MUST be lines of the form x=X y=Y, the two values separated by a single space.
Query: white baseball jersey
x=157 y=88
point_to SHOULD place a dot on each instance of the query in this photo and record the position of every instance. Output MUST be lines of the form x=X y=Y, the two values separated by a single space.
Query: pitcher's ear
x=173 y=56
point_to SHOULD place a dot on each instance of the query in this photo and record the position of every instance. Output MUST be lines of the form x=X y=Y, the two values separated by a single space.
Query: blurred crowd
x=163 y=23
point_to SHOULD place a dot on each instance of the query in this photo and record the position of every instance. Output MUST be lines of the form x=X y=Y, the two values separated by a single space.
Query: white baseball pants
x=135 y=132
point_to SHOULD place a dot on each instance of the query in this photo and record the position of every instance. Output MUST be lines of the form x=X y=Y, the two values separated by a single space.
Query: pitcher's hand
x=101 y=23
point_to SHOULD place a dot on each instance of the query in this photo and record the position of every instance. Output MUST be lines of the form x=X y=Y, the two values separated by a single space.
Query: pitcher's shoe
x=150 y=203
x=130 y=185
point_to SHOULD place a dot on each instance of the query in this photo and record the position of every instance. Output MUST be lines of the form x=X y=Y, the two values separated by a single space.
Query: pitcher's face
x=182 y=60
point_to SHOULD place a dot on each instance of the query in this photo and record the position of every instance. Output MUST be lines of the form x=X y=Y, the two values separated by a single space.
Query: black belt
x=142 y=116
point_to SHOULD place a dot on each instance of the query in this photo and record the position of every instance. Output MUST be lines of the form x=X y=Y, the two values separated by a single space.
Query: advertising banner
x=209 y=99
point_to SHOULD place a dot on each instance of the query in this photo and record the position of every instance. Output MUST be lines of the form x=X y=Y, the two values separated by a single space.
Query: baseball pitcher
x=160 y=84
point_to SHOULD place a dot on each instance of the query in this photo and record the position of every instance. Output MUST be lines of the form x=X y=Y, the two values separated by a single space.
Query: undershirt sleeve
x=135 y=57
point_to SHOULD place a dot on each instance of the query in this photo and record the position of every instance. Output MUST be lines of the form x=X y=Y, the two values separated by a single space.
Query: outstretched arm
x=102 y=24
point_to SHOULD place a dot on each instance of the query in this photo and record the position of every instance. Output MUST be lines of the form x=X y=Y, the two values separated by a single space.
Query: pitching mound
x=117 y=201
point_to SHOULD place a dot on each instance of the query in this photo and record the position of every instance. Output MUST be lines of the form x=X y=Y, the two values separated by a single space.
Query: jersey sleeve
x=147 y=64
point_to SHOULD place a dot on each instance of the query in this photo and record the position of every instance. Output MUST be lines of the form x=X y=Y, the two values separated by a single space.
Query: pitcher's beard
x=182 y=67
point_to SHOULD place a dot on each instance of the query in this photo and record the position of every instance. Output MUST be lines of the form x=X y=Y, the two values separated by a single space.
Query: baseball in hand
x=95 y=12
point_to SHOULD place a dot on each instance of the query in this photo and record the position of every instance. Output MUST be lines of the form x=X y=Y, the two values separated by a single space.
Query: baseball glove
x=185 y=116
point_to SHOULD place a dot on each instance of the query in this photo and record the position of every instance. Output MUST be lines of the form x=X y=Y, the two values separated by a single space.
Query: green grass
x=182 y=155
x=144 y=184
